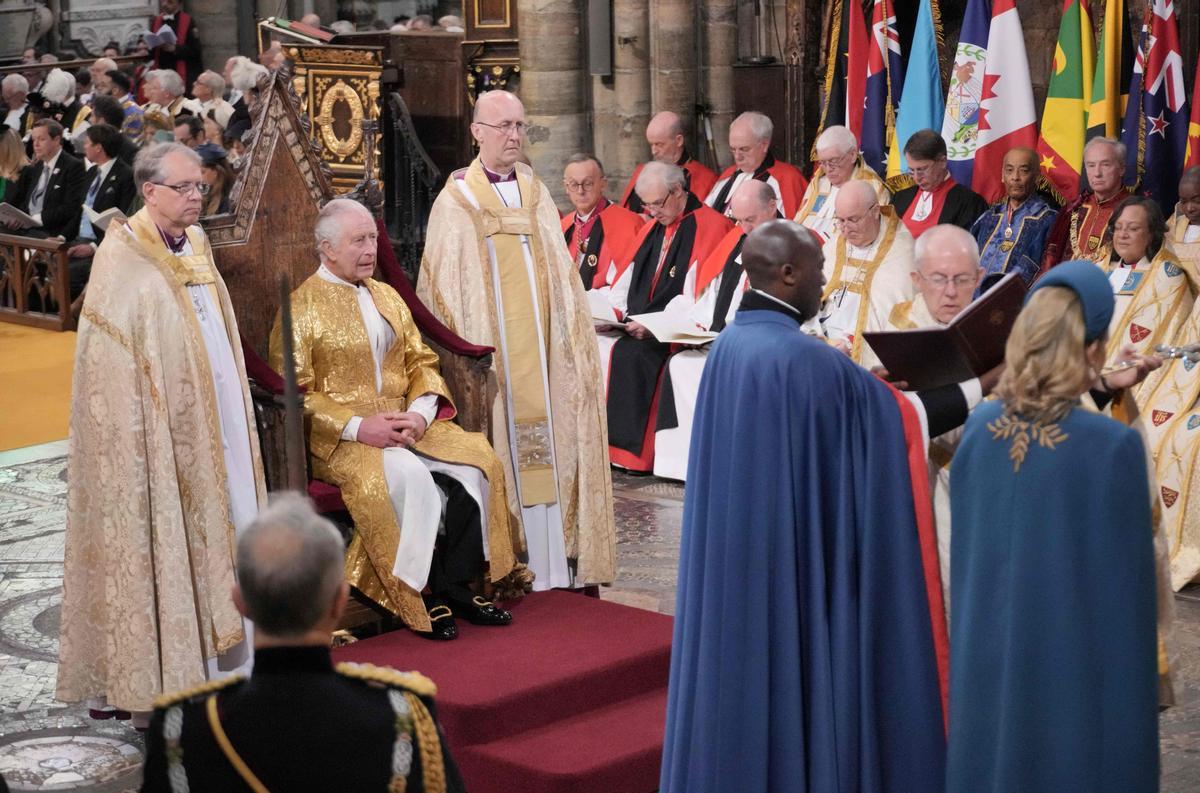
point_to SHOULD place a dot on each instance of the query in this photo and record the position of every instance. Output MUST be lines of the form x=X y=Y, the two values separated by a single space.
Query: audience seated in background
x=51 y=188
x=218 y=175
x=122 y=90
x=15 y=89
x=107 y=110
x=189 y=130
x=209 y=91
x=12 y=160
x=110 y=185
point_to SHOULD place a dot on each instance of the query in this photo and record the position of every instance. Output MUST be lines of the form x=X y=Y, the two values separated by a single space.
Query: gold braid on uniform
x=433 y=770
x=410 y=681
x=208 y=687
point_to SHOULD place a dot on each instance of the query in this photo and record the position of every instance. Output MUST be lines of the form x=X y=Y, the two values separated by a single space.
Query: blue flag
x=923 y=104
x=885 y=80
x=960 y=126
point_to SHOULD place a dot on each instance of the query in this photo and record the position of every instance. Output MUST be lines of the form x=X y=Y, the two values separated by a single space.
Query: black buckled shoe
x=481 y=611
x=443 y=627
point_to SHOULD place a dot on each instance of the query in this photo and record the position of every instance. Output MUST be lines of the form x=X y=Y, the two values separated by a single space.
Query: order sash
x=505 y=226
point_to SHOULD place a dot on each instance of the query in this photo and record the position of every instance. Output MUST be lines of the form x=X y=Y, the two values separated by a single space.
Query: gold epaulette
x=409 y=681
x=167 y=700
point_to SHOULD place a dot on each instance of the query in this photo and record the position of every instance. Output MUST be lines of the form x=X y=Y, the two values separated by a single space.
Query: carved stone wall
x=90 y=24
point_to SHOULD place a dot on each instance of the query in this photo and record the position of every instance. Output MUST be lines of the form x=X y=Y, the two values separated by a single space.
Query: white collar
x=328 y=275
x=54 y=161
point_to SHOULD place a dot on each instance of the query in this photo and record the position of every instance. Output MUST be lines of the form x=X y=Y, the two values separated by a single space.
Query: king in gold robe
x=358 y=353
x=164 y=469
x=496 y=271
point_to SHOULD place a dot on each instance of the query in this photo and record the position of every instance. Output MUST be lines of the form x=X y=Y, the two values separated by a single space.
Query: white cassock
x=685 y=369
x=418 y=501
x=544 y=537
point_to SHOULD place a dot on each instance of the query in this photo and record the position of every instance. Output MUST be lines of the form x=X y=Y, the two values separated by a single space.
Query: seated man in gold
x=428 y=499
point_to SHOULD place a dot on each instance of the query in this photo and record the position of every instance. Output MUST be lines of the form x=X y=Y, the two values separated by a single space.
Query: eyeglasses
x=833 y=162
x=507 y=127
x=854 y=220
x=653 y=205
x=186 y=188
x=940 y=281
x=579 y=187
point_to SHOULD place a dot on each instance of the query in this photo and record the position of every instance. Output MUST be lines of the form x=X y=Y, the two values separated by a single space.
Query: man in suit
x=110 y=184
x=51 y=188
x=298 y=723
x=107 y=110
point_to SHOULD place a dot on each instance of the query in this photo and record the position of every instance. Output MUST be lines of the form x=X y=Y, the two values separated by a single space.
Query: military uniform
x=300 y=724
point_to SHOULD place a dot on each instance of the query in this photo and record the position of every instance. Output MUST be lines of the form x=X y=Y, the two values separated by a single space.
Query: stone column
x=718 y=52
x=553 y=87
x=673 y=60
x=216 y=21
x=628 y=98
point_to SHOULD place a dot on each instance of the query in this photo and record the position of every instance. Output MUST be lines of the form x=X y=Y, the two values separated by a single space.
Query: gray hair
x=148 y=165
x=168 y=80
x=654 y=172
x=108 y=63
x=1118 y=147
x=584 y=156
x=946 y=235
x=15 y=82
x=213 y=81
x=245 y=74
x=289 y=566
x=760 y=125
x=837 y=138
x=332 y=216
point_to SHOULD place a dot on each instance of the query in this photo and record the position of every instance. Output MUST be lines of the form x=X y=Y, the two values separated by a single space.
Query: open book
x=11 y=216
x=164 y=35
x=969 y=346
x=602 y=311
x=673 y=328
x=101 y=220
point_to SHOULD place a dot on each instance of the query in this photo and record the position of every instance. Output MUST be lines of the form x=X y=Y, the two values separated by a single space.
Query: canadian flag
x=1006 y=115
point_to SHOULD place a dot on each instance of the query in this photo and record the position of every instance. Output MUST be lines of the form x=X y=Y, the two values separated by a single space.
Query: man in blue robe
x=807 y=653
x=1012 y=234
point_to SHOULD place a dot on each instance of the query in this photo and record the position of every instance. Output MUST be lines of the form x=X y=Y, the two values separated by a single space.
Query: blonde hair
x=12 y=155
x=1046 y=355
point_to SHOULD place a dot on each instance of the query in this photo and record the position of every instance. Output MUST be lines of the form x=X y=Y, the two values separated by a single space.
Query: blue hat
x=1090 y=283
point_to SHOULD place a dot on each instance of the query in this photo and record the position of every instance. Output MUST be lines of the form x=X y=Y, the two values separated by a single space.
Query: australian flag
x=885 y=81
x=1155 y=130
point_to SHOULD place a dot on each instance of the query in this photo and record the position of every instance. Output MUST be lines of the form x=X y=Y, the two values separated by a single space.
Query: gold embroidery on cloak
x=866 y=273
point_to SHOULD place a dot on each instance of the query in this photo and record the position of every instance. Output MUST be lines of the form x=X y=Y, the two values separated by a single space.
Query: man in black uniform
x=298 y=723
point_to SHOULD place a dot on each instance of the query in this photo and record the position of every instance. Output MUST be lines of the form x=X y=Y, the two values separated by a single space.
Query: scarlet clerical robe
x=698 y=180
x=949 y=202
x=496 y=271
x=164 y=471
x=346 y=379
x=596 y=242
x=785 y=179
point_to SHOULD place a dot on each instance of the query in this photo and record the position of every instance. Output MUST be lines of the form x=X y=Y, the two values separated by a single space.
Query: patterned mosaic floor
x=45 y=745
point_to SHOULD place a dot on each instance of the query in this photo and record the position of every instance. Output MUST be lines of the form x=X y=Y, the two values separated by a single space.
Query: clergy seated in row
x=1154 y=291
x=598 y=231
x=1079 y=232
x=497 y=272
x=1012 y=234
x=935 y=197
x=1184 y=225
x=110 y=186
x=381 y=431
x=709 y=300
x=165 y=103
x=52 y=187
x=682 y=232
x=665 y=134
x=868 y=270
x=750 y=145
x=838 y=161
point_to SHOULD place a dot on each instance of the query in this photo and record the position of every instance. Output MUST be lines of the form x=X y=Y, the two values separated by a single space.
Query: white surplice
x=544 y=533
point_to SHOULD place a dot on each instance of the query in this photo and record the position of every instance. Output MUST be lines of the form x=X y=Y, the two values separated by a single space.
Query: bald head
x=948 y=270
x=753 y=204
x=783 y=259
x=664 y=133
x=856 y=209
x=498 y=126
x=491 y=102
x=1189 y=195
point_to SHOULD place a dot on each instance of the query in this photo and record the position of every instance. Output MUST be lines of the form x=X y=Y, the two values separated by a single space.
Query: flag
x=1131 y=124
x=1006 y=115
x=1064 y=117
x=885 y=81
x=1192 y=157
x=923 y=105
x=1114 y=67
x=846 y=68
x=960 y=125
x=1162 y=128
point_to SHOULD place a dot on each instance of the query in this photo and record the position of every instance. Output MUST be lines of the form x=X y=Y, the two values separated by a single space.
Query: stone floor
x=45 y=745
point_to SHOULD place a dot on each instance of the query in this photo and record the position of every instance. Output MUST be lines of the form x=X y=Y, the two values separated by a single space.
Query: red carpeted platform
x=570 y=698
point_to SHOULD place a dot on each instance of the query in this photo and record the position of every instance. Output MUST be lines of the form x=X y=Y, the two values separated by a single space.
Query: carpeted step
x=563 y=655
x=615 y=749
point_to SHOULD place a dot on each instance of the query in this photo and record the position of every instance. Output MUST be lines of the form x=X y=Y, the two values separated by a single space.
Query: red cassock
x=606 y=235
x=787 y=181
x=700 y=179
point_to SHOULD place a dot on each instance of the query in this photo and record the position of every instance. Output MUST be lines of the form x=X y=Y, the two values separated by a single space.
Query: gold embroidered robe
x=150 y=545
x=335 y=366
x=457 y=283
x=816 y=207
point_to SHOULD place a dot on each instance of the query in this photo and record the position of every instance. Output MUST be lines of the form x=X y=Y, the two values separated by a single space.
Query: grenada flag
x=1064 y=117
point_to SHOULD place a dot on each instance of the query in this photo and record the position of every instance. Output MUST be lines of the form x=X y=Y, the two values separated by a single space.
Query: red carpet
x=569 y=698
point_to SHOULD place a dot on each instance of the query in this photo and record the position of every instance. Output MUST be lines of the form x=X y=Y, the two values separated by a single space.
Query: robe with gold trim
x=816 y=207
x=496 y=271
x=335 y=366
x=1080 y=230
x=152 y=514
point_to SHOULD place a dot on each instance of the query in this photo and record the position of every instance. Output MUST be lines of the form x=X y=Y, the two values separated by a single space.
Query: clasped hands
x=385 y=430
